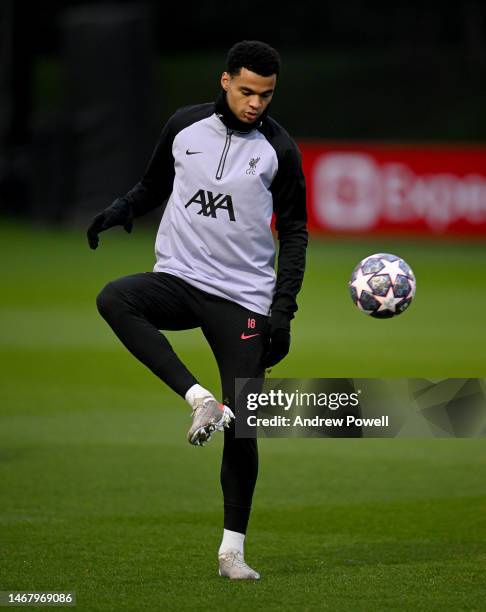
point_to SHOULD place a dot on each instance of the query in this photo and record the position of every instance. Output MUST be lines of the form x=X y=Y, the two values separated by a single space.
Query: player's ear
x=225 y=80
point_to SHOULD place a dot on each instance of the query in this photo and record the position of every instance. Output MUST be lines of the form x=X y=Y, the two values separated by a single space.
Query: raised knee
x=107 y=300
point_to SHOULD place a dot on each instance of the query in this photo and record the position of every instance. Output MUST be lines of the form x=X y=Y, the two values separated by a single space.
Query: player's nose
x=255 y=102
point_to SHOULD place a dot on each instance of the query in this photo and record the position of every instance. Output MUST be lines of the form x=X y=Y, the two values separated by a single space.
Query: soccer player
x=219 y=171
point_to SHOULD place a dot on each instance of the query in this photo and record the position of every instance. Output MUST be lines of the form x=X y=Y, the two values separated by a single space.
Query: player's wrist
x=279 y=320
x=122 y=207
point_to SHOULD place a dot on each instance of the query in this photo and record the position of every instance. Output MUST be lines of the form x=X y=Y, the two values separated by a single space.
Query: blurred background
x=100 y=491
x=86 y=87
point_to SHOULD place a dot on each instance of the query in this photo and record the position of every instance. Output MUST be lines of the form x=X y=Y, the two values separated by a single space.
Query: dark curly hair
x=255 y=56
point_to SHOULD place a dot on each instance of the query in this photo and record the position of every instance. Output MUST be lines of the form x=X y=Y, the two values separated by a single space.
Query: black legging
x=138 y=306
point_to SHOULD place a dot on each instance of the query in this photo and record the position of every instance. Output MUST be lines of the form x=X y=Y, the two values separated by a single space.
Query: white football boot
x=232 y=565
x=208 y=416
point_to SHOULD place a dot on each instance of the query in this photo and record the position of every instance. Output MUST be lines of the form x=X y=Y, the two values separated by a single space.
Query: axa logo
x=209 y=203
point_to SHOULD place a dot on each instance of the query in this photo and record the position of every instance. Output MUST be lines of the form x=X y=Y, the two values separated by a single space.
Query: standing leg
x=236 y=337
x=137 y=307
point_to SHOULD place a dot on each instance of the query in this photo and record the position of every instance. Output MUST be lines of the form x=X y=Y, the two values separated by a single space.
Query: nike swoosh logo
x=245 y=337
x=192 y=152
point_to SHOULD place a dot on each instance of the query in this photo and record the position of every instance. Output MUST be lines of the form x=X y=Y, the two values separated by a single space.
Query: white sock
x=196 y=392
x=232 y=540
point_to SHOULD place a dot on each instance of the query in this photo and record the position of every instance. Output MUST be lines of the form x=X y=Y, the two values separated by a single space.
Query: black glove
x=119 y=213
x=277 y=339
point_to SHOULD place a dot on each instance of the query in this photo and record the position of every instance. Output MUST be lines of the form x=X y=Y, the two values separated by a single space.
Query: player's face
x=248 y=94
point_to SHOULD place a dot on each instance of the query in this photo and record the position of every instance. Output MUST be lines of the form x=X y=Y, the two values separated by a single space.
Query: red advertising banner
x=363 y=188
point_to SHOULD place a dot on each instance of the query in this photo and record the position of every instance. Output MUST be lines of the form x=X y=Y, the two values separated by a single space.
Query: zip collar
x=231 y=122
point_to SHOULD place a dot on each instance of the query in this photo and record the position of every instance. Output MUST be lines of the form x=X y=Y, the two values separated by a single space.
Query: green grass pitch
x=101 y=494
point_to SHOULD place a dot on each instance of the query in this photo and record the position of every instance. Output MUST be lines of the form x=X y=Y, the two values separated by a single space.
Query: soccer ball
x=382 y=285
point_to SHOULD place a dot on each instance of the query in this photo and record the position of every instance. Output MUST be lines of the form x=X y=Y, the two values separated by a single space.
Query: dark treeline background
x=352 y=70
x=199 y=26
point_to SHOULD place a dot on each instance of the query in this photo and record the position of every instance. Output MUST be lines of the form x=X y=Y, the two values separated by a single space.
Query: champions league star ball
x=382 y=285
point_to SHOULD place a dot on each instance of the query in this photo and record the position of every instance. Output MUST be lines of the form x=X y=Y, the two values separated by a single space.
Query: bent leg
x=136 y=307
